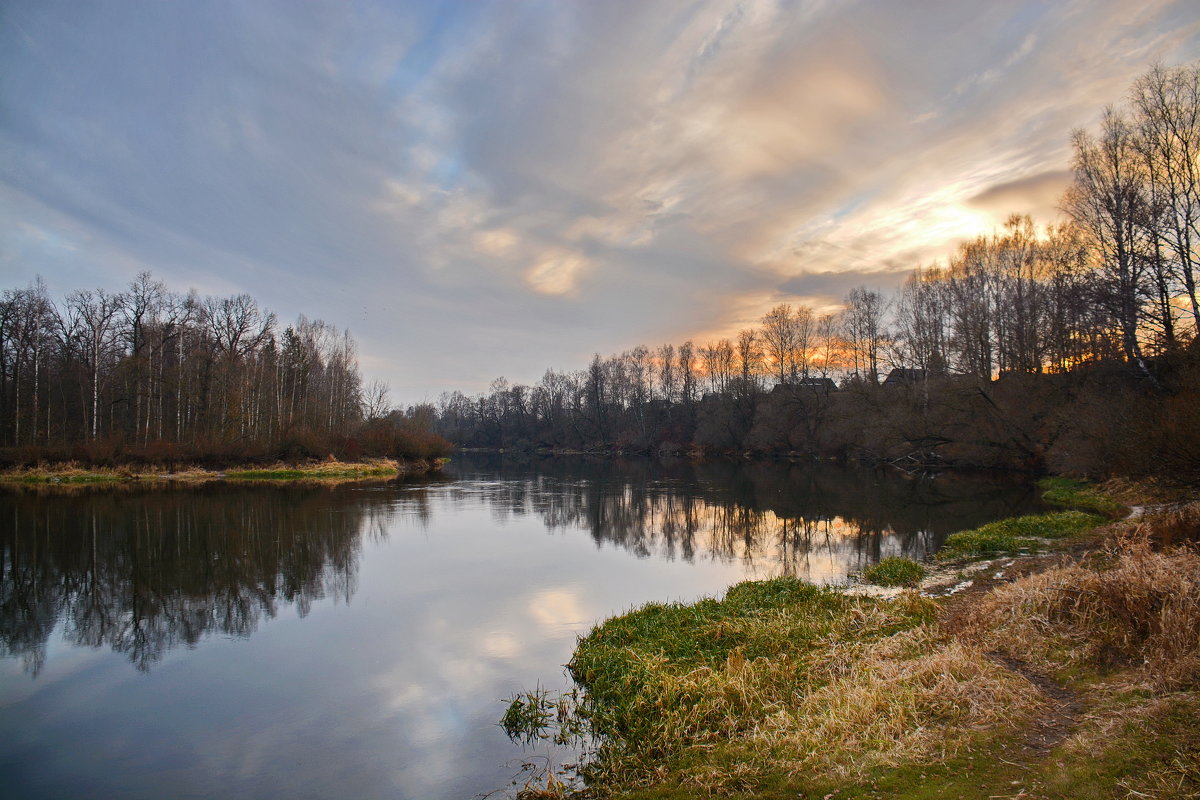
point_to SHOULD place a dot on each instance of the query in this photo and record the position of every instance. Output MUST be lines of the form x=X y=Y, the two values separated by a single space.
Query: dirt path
x=1058 y=722
x=1064 y=707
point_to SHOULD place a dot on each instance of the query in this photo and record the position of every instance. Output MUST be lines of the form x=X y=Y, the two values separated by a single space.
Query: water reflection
x=399 y=614
x=145 y=571
x=811 y=521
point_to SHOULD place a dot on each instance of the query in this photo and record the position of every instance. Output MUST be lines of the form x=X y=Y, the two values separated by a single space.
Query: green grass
x=667 y=677
x=894 y=571
x=90 y=477
x=1080 y=495
x=1016 y=534
x=979 y=772
x=751 y=620
x=265 y=474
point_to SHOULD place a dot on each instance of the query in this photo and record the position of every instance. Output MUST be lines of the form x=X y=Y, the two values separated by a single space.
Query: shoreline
x=1058 y=673
x=326 y=472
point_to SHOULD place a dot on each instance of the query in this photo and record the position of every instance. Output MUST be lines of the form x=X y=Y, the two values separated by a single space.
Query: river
x=357 y=641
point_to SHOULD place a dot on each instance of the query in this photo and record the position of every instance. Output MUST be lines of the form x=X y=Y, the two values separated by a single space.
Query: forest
x=151 y=376
x=1069 y=347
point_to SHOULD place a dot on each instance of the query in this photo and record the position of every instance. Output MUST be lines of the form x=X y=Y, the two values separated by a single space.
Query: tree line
x=150 y=374
x=1099 y=307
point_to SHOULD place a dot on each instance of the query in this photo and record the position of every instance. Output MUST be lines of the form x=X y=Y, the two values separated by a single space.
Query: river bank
x=1069 y=672
x=327 y=471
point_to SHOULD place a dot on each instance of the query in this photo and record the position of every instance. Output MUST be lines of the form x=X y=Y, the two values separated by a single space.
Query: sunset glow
x=520 y=185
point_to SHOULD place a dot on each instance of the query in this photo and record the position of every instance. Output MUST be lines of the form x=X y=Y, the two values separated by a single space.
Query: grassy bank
x=327 y=471
x=1076 y=676
x=1027 y=534
x=1081 y=496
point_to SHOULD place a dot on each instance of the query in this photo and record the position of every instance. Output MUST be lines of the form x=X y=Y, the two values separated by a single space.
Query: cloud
x=1037 y=195
x=497 y=188
x=555 y=273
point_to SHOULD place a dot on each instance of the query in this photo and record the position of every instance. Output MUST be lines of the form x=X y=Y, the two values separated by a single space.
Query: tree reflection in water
x=143 y=571
x=773 y=517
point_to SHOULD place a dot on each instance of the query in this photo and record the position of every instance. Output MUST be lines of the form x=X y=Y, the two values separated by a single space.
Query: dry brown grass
x=1135 y=608
x=1149 y=745
x=72 y=474
x=1140 y=492
x=913 y=695
x=1175 y=526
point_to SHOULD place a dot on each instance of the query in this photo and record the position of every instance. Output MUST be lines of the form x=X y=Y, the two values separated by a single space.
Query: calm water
x=267 y=642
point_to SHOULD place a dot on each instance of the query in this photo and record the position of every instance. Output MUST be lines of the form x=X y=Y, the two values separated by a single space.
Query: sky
x=478 y=189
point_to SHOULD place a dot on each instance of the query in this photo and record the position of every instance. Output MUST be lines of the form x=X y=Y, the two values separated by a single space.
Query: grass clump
x=894 y=571
x=1016 y=534
x=1080 y=495
x=777 y=679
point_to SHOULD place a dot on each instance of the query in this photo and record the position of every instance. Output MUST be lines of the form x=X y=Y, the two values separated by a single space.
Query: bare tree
x=668 y=379
x=718 y=359
x=828 y=351
x=750 y=360
x=376 y=404
x=90 y=325
x=26 y=329
x=687 y=373
x=922 y=322
x=1167 y=103
x=1020 y=306
x=863 y=325
x=1108 y=201
x=779 y=338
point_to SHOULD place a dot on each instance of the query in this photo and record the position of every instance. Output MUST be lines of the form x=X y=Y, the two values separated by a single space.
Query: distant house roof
x=823 y=385
x=903 y=375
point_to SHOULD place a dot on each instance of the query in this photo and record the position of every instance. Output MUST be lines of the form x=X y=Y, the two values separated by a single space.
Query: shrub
x=302 y=444
x=418 y=444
